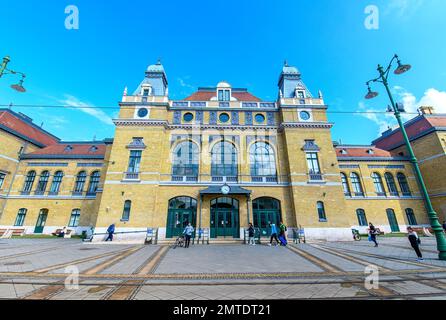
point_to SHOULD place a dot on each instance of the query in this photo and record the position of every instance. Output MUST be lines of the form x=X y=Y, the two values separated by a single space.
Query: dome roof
x=289 y=69
x=156 y=67
x=223 y=84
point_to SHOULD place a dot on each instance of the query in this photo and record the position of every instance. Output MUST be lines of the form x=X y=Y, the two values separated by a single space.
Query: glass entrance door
x=266 y=211
x=182 y=211
x=224 y=218
x=262 y=220
x=41 y=220
x=392 y=220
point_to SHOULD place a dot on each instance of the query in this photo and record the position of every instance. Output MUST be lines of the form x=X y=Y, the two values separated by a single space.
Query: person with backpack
x=282 y=234
x=251 y=240
x=273 y=234
x=372 y=234
x=110 y=231
x=415 y=242
x=188 y=234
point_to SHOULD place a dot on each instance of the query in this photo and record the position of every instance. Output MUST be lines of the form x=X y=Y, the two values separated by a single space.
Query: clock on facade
x=305 y=115
x=225 y=189
x=143 y=112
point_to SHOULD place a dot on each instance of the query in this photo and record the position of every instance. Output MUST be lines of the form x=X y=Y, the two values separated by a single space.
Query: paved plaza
x=39 y=269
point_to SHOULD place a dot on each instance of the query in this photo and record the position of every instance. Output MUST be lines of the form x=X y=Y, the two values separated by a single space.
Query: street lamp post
x=383 y=76
x=4 y=70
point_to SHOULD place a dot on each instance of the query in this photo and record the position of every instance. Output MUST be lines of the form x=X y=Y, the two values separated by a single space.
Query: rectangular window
x=20 y=220
x=2 y=179
x=134 y=161
x=321 y=211
x=224 y=95
x=75 y=217
x=313 y=163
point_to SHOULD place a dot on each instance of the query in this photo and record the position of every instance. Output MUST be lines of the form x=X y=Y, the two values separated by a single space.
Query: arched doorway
x=225 y=218
x=41 y=220
x=182 y=210
x=266 y=211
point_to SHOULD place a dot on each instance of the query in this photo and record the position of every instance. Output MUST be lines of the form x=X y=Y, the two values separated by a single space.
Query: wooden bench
x=424 y=231
x=12 y=232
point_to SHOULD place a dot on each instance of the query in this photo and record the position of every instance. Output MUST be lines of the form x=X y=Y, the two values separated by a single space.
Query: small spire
x=285 y=63
x=321 y=96
x=125 y=91
x=159 y=61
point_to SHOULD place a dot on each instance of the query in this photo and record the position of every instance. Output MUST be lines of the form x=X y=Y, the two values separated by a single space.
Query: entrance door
x=392 y=220
x=224 y=218
x=224 y=224
x=41 y=220
x=266 y=211
x=182 y=210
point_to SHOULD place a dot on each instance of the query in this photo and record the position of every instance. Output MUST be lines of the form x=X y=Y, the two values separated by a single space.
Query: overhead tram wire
x=121 y=108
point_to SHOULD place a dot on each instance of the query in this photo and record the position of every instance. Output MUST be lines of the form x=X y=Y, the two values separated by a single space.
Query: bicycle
x=356 y=235
x=179 y=242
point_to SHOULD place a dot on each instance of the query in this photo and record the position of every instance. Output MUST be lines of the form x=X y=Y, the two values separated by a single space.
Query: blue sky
x=203 y=42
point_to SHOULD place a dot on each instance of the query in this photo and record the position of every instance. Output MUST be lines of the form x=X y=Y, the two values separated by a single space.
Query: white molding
x=9 y=158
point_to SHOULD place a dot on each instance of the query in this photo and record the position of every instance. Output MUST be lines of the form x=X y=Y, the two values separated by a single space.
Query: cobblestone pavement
x=40 y=268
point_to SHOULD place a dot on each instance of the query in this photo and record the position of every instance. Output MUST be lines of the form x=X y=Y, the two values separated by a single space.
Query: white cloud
x=87 y=108
x=403 y=8
x=432 y=97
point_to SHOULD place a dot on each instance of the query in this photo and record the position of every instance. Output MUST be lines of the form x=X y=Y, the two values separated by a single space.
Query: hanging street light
x=397 y=108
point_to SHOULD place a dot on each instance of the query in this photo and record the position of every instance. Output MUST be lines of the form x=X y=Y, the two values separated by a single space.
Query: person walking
x=273 y=234
x=282 y=233
x=372 y=234
x=188 y=234
x=444 y=226
x=110 y=231
x=414 y=242
x=251 y=235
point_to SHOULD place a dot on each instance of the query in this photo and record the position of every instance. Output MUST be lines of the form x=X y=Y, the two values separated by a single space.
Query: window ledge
x=323 y=220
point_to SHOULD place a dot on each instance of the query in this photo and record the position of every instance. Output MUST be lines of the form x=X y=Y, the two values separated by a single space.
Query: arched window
x=95 y=177
x=390 y=181
x=74 y=218
x=345 y=185
x=30 y=177
x=57 y=181
x=378 y=182
x=362 y=219
x=80 y=182
x=126 y=211
x=262 y=159
x=185 y=160
x=20 y=220
x=224 y=160
x=321 y=211
x=356 y=183
x=43 y=182
x=411 y=219
x=405 y=189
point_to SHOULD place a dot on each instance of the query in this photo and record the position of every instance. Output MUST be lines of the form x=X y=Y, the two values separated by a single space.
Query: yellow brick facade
x=294 y=128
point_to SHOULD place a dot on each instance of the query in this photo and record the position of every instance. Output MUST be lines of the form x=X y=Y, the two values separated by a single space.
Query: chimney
x=427 y=110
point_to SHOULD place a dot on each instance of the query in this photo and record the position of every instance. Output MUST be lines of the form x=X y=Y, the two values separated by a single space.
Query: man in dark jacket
x=251 y=235
x=372 y=233
x=110 y=231
x=414 y=242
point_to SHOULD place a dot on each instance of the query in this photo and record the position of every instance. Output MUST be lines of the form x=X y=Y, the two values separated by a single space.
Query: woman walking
x=414 y=242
